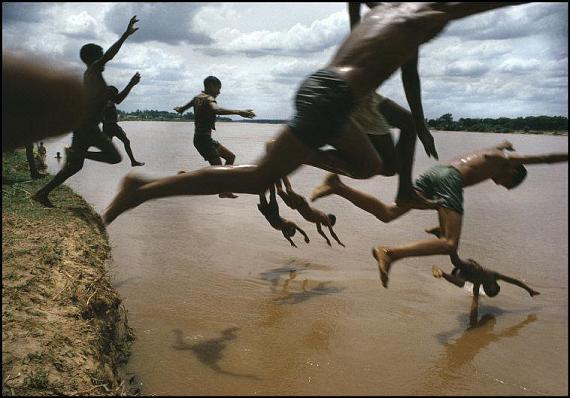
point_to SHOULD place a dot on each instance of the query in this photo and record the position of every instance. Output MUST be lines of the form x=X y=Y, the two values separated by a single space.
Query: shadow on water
x=209 y=352
x=445 y=373
x=274 y=276
x=118 y=284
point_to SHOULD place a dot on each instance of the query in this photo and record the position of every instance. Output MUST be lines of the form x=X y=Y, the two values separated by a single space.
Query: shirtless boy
x=299 y=203
x=89 y=134
x=446 y=183
x=205 y=110
x=387 y=37
x=374 y=115
x=110 y=118
x=271 y=213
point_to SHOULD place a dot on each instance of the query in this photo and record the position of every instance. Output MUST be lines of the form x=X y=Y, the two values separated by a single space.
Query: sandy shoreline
x=64 y=328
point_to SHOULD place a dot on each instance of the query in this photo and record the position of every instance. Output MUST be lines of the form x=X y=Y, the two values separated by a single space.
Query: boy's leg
x=368 y=203
x=73 y=163
x=109 y=153
x=283 y=157
x=450 y=223
x=127 y=143
x=226 y=154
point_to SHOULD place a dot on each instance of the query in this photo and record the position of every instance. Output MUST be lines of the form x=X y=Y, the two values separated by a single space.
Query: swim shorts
x=443 y=182
x=323 y=105
x=206 y=146
x=366 y=117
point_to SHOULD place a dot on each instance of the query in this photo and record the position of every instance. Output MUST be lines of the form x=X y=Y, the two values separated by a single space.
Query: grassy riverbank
x=64 y=329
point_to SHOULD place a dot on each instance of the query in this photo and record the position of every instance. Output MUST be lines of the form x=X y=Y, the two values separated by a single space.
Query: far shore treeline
x=528 y=124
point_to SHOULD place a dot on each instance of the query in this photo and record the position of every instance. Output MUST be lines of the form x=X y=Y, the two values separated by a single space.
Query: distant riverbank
x=269 y=121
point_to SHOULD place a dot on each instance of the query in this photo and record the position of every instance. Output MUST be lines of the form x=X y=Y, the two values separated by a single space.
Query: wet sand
x=218 y=311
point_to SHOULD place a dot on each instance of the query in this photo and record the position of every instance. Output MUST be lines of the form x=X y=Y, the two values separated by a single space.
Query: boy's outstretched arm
x=289 y=239
x=518 y=283
x=114 y=49
x=438 y=273
x=302 y=233
x=474 y=306
x=123 y=94
x=321 y=232
x=248 y=113
x=516 y=159
x=412 y=89
x=335 y=237
x=182 y=109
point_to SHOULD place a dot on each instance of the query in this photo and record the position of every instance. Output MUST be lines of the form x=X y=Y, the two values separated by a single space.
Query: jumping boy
x=299 y=203
x=205 y=111
x=89 y=134
x=271 y=213
x=110 y=118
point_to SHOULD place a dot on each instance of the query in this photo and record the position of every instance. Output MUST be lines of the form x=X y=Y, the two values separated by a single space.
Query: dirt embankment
x=64 y=329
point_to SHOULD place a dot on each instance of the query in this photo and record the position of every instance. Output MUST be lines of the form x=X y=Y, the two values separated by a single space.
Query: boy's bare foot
x=124 y=200
x=43 y=199
x=381 y=255
x=134 y=164
x=533 y=293
x=434 y=231
x=228 y=195
x=328 y=187
x=437 y=272
x=415 y=200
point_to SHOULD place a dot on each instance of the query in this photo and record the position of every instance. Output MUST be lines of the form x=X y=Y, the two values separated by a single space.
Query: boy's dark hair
x=332 y=219
x=90 y=53
x=212 y=80
x=519 y=176
x=491 y=288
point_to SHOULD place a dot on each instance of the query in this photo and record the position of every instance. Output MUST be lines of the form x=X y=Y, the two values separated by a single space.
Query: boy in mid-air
x=299 y=203
x=270 y=211
x=471 y=271
x=205 y=111
x=444 y=182
x=110 y=118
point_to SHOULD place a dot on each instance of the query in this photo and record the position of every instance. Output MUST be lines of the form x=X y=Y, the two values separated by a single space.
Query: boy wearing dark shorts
x=205 y=111
x=110 y=118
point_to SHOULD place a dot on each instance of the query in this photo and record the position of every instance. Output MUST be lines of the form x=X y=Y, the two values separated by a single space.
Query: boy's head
x=90 y=53
x=112 y=91
x=212 y=85
x=491 y=287
x=332 y=219
x=512 y=177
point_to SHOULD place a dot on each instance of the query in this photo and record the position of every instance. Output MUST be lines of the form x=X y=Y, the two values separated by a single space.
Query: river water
x=222 y=305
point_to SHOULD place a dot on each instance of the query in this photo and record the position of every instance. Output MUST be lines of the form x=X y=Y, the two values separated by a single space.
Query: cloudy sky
x=510 y=62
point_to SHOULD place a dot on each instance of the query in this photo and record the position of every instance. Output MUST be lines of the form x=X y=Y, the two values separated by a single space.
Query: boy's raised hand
x=136 y=78
x=131 y=28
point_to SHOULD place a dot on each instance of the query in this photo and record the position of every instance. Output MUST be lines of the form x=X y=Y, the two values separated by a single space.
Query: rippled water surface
x=222 y=304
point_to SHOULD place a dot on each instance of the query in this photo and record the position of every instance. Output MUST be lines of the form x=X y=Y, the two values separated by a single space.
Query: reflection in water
x=209 y=351
x=287 y=297
x=464 y=349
